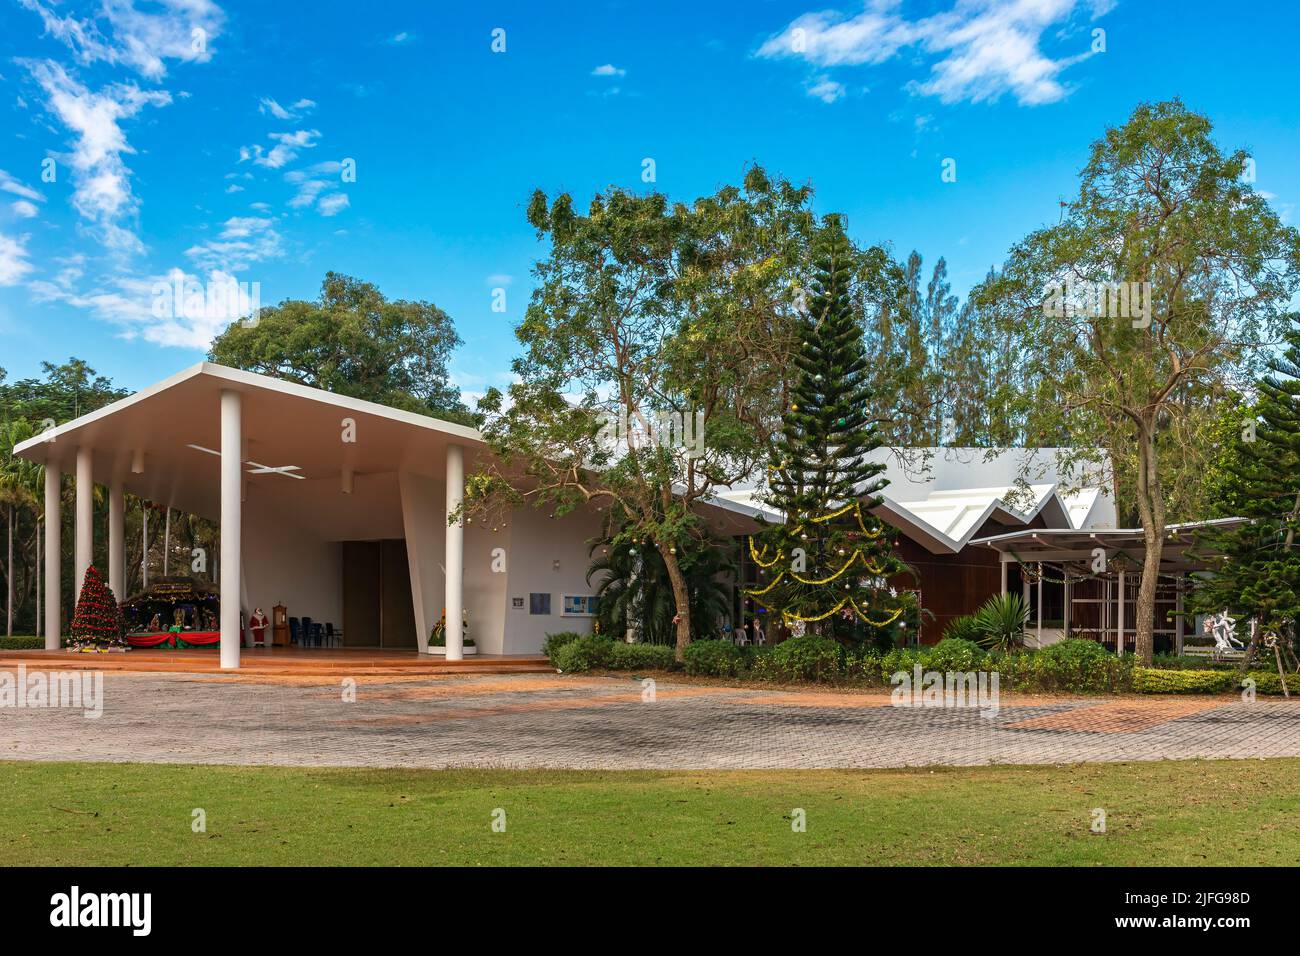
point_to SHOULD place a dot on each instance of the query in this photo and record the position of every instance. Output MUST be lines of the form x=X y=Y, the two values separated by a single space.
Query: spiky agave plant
x=1001 y=621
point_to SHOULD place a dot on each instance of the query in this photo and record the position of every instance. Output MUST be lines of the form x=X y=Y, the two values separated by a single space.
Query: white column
x=116 y=539
x=144 y=545
x=1067 y=596
x=1119 y=631
x=455 y=559
x=1003 y=562
x=53 y=550
x=1178 y=619
x=167 y=542
x=231 y=515
x=39 y=621
x=85 y=539
x=1040 y=603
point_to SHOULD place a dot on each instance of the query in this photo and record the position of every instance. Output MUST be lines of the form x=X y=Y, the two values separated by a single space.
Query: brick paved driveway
x=603 y=723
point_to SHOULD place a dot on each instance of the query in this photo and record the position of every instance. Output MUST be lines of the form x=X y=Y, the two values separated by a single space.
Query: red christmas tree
x=97 y=619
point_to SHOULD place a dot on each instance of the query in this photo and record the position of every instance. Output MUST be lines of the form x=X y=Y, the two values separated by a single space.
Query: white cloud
x=243 y=241
x=273 y=108
x=826 y=89
x=11 y=185
x=101 y=182
x=24 y=210
x=284 y=152
x=119 y=34
x=980 y=49
x=333 y=204
x=608 y=69
x=177 y=308
x=13 y=259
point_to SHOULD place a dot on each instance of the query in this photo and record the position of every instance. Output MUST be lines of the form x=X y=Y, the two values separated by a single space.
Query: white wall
x=287 y=561
x=536 y=542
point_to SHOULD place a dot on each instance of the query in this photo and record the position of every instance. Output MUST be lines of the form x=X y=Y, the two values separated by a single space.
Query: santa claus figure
x=257 y=624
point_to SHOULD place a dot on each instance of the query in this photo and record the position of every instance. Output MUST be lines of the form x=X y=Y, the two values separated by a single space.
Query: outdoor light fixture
x=347 y=481
x=137 y=462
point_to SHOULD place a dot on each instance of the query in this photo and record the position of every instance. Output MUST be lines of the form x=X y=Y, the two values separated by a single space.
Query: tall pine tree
x=1256 y=567
x=830 y=562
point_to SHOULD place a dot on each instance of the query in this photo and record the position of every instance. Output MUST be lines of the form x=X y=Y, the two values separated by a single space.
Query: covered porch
x=314 y=494
x=1084 y=583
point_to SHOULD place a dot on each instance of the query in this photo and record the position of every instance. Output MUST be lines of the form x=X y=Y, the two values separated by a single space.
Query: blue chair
x=318 y=635
x=295 y=631
x=306 y=632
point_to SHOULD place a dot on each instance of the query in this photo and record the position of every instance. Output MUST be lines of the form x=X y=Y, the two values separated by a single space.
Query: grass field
x=1189 y=812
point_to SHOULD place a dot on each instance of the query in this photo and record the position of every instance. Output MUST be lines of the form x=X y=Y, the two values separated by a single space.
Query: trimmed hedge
x=631 y=657
x=808 y=658
x=22 y=643
x=1160 y=680
x=576 y=653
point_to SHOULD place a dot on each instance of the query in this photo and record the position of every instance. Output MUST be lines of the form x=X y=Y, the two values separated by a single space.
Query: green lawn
x=1188 y=812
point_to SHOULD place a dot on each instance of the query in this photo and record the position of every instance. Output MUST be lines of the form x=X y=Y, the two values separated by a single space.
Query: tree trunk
x=9 y=579
x=1151 y=507
x=682 y=598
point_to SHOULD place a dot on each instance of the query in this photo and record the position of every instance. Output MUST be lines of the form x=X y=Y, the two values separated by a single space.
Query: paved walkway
x=603 y=723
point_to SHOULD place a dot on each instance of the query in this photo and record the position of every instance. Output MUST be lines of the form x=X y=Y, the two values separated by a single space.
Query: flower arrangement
x=439 y=636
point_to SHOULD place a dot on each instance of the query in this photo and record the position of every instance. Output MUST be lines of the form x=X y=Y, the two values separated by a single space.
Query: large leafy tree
x=1158 y=203
x=643 y=310
x=354 y=341
x=1255 y=567
x=829 y=559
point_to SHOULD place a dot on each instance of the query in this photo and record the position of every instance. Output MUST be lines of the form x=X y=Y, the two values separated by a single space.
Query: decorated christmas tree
x=831 y=561
x=97 y=620
x=1257 y=565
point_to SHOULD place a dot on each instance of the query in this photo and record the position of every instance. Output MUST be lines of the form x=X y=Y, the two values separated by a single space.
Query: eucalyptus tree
x=1152 y=295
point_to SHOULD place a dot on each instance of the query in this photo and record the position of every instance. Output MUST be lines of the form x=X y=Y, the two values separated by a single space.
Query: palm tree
x=15 y=494
x=634 y=586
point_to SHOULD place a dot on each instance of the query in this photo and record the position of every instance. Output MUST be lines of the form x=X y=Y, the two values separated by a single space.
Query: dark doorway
x=377 y=609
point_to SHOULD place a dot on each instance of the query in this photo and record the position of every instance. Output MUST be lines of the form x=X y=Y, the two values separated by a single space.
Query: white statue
x=1223 y=629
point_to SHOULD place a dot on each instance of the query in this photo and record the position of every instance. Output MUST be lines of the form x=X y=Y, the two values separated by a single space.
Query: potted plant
x=438 y=639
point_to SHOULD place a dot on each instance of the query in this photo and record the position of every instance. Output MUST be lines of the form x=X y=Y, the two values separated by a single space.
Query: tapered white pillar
x=117 y=539
x=84 y=553
x=53 y=550
x=1119 y=610
x=455 y=560
x=231 y=516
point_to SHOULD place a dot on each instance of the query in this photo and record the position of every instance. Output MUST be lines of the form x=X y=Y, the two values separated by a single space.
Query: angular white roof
x=926 y=500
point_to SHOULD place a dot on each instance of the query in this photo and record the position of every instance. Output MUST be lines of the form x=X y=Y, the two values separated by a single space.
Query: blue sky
x=220 y=152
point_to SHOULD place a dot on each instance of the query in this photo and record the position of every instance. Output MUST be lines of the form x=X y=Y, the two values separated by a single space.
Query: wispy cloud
x=101 y=181
x=979 y=50
x=284 y=152
x=13 y=259
x=142 y=40
x=271 y=107
x=608 y=69
x=242 y=241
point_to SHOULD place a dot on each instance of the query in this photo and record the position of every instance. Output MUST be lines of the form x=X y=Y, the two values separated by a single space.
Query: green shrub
x=903 y=659
x=1267 y=682
x=956 y=654
x=864 y=665
x=1001 y=622
x=21 y=643
x=554 y=642
x=711 y=658
x=1078 y=665
x=629 y=657
x=588 y=652
x=1158 y=680
x=964 y=628
x=807 y=658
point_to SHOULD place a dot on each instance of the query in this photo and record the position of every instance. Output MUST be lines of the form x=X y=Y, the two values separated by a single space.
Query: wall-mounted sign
x=516 y=602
